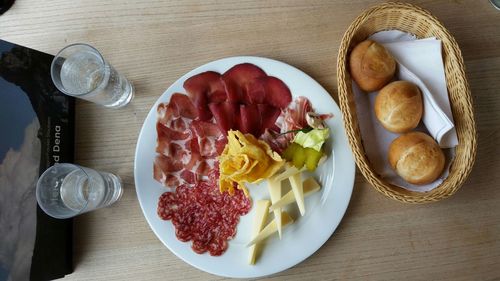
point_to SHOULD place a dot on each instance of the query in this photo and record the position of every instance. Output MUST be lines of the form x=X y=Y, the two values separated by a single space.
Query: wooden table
x=155 y=42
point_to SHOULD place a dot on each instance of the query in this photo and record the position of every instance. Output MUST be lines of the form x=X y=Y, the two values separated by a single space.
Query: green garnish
x=313 y=138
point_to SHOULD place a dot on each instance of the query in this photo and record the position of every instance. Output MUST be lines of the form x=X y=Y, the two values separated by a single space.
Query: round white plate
x=324 y=209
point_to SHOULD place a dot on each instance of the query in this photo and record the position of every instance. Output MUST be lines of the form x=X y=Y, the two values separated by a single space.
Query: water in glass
x=89 y=189
x=79 y=70
x=66 y=190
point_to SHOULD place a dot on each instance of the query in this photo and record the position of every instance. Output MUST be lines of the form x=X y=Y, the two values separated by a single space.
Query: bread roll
x=398 y=106
x=371 y=66
x=416 y=157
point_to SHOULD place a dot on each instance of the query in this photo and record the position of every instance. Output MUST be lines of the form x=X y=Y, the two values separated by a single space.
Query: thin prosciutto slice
x=180 y=105
x=290 y=119
x=187 y=147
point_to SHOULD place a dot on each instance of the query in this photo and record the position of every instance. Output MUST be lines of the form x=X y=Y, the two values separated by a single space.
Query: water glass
x=66 y=190
x=79 y=70
x=495 y=3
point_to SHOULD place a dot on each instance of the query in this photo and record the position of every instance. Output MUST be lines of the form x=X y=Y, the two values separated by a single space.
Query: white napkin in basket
x=420 y=62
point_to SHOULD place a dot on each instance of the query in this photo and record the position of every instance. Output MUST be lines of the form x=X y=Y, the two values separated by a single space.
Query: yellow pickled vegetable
x=246 y=159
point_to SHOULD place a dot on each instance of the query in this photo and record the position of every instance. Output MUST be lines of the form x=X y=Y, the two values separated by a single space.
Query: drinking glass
x=66 y=190
x=79 y=70
x=5 y=5
x=495 y=3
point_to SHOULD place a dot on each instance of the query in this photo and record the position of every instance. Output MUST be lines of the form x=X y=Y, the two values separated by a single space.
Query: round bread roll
x=371 y=66
x=398 y=106
x=416 y=157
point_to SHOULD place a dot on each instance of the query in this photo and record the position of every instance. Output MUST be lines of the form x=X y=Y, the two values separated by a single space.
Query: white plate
x=324 y=210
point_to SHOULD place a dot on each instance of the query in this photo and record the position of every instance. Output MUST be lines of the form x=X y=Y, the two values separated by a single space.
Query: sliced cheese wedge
x=288 y=172
x=271 y=228
x=310 y=186
x=261 y=211
x=298 y=192
x=274 y=188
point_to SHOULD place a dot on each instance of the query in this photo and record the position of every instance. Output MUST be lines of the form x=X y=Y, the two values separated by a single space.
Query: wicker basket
x=415 y=20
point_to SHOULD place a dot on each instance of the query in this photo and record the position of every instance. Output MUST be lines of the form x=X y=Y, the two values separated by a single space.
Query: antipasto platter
x=242 y=167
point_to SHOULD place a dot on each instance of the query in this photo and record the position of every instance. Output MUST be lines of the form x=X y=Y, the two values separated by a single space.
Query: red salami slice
x=203 y=215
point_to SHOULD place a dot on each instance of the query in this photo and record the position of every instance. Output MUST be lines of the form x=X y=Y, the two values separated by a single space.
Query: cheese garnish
x=289 y=171
x=298 y=192
x=310 y=186
x=259 y=220
x=274 y=188
x=271 y=228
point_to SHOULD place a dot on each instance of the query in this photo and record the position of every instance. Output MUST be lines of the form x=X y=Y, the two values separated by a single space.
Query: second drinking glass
x=79 y=70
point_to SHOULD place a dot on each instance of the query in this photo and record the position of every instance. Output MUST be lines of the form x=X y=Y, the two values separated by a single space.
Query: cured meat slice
x=292 y=118
x=277 y=92
x=239 y=79
x=250 y=119
x=191 y=145
x=220 y=145
x=203 y=215
x=206 y=129
x=205 y=136
x=203 y=168
x=178 y=124
x=277 y=142
x=207 y=147
x=182 y=106
x=165 y=168
x=295 y=115
x=189 y=177
x=225 y=115
x=218 y=96
x=168 y=164
x=172 y=149
x=167 y=134
x=268 y=114
x=256 y=91
x=158 y=173
x=179 y=106
x=204 y=88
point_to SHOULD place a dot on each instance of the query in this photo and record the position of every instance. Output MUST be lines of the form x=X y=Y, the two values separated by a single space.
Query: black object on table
x=5 y=5
x=36 y=131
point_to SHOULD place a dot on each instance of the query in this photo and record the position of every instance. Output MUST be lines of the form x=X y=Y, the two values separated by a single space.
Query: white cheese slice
x=274 y=188
x=288 y=172
x=298 y=192
x=261 y=211
x=271 y=228
x=310 y=186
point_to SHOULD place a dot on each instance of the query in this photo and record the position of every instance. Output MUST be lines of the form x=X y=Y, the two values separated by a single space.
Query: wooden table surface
x=155 y=42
